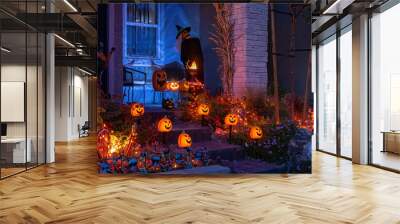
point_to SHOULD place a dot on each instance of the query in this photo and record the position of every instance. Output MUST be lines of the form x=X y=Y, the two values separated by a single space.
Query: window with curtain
x=141 y=30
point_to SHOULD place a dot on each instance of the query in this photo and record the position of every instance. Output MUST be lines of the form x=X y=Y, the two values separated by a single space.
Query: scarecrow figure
x=190 y=49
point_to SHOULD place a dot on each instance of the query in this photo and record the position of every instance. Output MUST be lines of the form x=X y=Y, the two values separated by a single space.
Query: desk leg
x=384 y=142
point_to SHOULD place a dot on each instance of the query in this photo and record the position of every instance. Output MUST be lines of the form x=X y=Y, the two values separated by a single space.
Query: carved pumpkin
x=173 y=86
x=184 y=140
x=231 y=119
x=137 y=110
x=255 y=133
x=164 y=125
x=159 y=80
x=203 y=109
x=184 y=85
x=168 y=104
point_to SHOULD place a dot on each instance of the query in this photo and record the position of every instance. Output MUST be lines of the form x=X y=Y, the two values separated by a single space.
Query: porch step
x=216 y=150
x=214 y=169
x=156 y=113
x=197 y=132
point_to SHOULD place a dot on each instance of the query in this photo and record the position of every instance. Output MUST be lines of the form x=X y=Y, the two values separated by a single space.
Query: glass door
x=326 y=96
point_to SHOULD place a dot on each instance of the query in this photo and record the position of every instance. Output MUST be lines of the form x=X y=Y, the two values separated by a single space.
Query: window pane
x=327 y=96
x=346 y=94
x=142 y=13
x=141 y=41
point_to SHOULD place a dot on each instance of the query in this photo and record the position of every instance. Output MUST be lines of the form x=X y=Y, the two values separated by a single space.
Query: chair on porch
x=133 y=78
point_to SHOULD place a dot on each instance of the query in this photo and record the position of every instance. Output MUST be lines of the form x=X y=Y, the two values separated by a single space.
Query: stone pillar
x=251 y=43
x=360 y=90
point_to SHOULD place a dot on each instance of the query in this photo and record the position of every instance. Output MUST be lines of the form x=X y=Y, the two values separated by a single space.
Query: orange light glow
x=193 y=66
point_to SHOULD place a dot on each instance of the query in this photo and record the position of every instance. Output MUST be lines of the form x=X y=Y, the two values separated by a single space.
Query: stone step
x=197 y=132
x=156 y=113
x=253 y=166
x=214 y=169
x=216 y=150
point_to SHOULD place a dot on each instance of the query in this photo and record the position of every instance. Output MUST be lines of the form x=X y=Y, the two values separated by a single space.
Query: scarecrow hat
x=181 y=29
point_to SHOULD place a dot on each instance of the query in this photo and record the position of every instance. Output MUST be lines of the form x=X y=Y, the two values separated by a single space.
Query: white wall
x=71 y=102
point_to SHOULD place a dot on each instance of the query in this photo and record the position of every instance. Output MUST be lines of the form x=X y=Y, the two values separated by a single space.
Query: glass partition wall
x=327 y=78
x=22 y=77
x=334 y=94
x=385 y=89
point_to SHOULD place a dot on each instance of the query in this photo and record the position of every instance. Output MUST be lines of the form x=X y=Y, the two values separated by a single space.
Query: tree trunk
x=275 y=66
x=292 y=55
x=306 y=91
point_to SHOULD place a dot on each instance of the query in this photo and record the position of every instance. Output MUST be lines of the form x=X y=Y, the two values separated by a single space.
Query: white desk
x=18 y=144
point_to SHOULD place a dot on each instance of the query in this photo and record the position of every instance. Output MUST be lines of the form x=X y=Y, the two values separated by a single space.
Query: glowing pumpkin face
x=231 y=119
x=184 y=86
x=255 y=132
x=137 y=110
x=159 y=80
x=173 y=86
x=203 y=109
x=184 y=140
x=164 y=125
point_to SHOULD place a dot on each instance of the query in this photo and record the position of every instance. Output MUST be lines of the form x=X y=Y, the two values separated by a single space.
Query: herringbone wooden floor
x=70 y=191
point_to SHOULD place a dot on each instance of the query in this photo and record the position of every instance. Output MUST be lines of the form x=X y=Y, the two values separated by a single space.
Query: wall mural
x=204 y=88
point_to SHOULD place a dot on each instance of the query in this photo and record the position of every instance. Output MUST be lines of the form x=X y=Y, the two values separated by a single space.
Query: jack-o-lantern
x=164 y=125
x=159 y=80
x=184 y=85
x=203 y=109
x=231 y=119
x=173 y=86
x=184 y=140
x=137 y=110
x=255 y=133
x=168 y=104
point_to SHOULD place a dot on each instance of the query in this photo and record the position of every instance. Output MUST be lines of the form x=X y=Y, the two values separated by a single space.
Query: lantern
x=173 y=86
x=192 y=65
x=255 y=133
x=159 y=80
x=137 y=110
x=203 y=109
x=184 y=140
x=164 y=125
x=231 y=119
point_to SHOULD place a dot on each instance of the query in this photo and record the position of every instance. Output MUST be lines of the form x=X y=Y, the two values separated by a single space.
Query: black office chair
x=84 y=130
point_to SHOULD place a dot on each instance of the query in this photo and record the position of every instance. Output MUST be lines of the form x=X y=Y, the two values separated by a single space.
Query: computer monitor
x=3 y=130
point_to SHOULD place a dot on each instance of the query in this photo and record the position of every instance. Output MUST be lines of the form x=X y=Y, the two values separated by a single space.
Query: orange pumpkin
x=164 y=125
x=173 y=86
x=203 y=109
x=184 y=85
x=159 y=80
x=137 y=110
x=184 y=140
x=255 y=133
x=231 y=119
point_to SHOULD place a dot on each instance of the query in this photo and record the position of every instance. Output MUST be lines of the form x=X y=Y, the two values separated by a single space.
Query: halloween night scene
x=204 y=88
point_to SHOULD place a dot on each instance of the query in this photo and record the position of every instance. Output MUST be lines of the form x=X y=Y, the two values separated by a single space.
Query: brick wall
x=251 y=58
